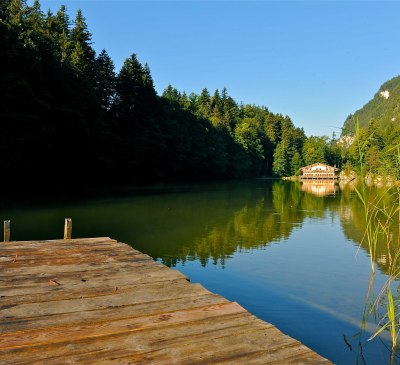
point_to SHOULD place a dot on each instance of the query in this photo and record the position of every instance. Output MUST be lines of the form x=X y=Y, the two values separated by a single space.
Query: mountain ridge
x=384 y=108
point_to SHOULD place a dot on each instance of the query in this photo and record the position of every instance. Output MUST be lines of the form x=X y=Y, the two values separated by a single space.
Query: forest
x=69 y=119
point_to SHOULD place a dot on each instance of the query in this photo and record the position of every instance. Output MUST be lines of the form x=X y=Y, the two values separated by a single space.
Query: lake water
x=290 y=254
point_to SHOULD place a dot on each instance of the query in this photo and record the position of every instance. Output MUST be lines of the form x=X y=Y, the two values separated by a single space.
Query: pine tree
x=60 y=32
x=16 y=13
x=49 y=23
x=184 y=101
x=147 y=78
x=230 y=111
x=216 y=106
x=62 y=22
x=171 y=94
x=280 y=164
x=224 y=95
x=105 y=79
x=82 y=54
x=36 y=18
x=204 y=103
x=193 y=100
x=149 y=93
x=374 y=135
x=129 y=88
x=296 y=164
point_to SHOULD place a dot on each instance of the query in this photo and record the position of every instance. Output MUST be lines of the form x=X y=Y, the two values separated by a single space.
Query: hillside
x=384 y=108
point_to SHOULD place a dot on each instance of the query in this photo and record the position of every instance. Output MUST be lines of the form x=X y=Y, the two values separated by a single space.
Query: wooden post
x=68 y=229
x=7 y=231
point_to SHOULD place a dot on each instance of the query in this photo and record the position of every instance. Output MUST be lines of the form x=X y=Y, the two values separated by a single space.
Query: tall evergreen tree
x=130 y=83
x=35 y=18
x=105 y=79
x=184 y=101
x=296 y=163
x=280 y=165
x=230 y=112
x=171 y=94
x=216 y=106
x=62 y=21
x=204 y=103
x=16 y=13
x=60 y=34
x=82 y=53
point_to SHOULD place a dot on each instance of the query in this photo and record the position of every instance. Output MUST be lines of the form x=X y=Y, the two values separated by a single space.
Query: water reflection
x=267 y=215
x=270 y=215
x=320 y=187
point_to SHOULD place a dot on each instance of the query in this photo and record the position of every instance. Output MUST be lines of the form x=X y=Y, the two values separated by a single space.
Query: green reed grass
x=381 y=213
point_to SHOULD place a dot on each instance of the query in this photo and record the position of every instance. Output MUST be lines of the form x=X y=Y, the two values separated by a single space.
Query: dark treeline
x=67 y=118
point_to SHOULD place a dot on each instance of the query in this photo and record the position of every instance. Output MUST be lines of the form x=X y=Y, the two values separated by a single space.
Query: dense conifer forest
x=68 y=118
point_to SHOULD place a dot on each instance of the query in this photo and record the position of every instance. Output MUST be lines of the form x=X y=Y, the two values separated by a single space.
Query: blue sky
x=316 y=61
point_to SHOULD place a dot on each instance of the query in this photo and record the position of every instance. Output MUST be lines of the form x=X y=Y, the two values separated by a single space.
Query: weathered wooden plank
x=118 y=344
x=241 y=347
x=63 y=243
x=58 y=260
x=143 y=294
x=45 y=269
x=140 y=352
x=69 y=253
x=32 y=252
x=59 y=289
x=70 y=333
x=225 y=345
x=91 y=272
x=73 y=247
x=158 y=306
x=85 y=283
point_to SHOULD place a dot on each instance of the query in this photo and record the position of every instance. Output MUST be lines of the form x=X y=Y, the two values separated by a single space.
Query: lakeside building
x=319 y=171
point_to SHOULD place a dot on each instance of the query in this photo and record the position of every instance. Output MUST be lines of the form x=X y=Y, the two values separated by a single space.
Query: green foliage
x=314 y=150
x=296 y=163
x=204 y=103
x=104 y=79
x=375 y=152
x=82 y=53
x=381 y=109
x=280 y=165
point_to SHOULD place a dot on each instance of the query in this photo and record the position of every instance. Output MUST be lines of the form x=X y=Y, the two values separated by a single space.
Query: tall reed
x=386 y=214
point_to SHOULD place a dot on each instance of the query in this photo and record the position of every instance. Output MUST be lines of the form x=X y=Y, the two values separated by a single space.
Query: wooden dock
x=98 y=301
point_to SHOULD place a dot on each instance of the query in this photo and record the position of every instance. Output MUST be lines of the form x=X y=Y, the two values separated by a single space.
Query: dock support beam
x=7 y=231
x=68 y=229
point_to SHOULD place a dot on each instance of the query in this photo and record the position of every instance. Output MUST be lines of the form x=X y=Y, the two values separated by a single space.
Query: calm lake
x=288 y=253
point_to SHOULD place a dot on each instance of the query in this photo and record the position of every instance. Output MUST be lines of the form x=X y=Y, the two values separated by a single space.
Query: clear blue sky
x=316 y=61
